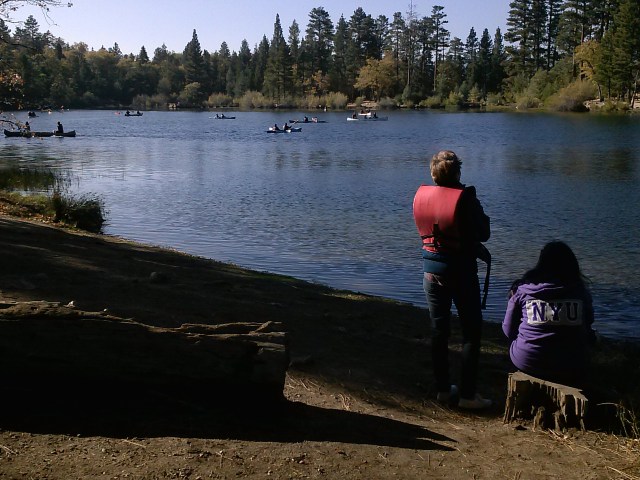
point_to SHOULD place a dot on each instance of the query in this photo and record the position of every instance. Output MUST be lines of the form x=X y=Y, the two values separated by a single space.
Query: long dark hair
x=557 y=263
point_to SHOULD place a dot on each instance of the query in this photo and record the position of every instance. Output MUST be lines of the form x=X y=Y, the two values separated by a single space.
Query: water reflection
x=612 y=164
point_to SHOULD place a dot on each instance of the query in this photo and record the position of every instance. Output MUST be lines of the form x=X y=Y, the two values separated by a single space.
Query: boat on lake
x=136 y=114
x=223 y=117
x=308 y=120
x=367 y=116
x=28 y=134
x=287 y=130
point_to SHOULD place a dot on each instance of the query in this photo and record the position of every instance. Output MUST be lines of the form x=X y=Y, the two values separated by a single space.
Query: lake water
x=332 y=204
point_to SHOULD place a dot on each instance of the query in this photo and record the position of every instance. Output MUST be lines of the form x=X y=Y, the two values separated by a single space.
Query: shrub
x=614 y=106
x=524 y=102
x=336 y=100
x=454 y=100
x=387 y=103
x=192 y=95
x=432 y=102
x=252 y=99
x=285 y=102
x=84 y=212
x=572 y=97
x=408 y=104
x=495 y=99
x=219 y=100
x=159 y=100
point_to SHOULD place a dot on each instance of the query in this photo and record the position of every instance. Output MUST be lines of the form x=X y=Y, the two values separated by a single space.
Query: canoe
x=313 y=120
x=139 y=114
x=288 y=130
x=17 y=133
x=367 y=118
x=223 y=118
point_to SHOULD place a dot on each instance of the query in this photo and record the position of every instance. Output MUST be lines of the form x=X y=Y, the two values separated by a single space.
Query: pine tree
x=441 y=37
x=142 y=56
x=319 y=40
x=338 y=71
x=29 y=36
x=192 y=61
x=554 y=10
x=259 y=64
x=539 y=33
x=498 y=58
x=519 y=34
x=278 y=75
x=471 y=53
x=381 y=36
x=626 y=43
x=294 y=48
x=484 y=62
x=222 y=70
x=243 y=70
x=396 y=38
x=423 y=67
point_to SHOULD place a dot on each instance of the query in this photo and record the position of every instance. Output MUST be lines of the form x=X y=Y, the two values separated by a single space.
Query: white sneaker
x=476 y=403
x=446 y=397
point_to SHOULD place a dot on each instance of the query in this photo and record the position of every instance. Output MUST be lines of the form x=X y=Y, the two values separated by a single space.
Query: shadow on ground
x=152 y=414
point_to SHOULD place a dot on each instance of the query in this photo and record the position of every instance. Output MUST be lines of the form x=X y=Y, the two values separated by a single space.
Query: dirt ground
x=359 y=403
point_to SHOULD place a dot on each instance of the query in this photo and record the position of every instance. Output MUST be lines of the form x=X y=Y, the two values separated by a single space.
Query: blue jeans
x=463 y=289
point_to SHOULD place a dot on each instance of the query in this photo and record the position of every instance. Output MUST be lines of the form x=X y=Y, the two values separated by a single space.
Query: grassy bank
x=81 y=212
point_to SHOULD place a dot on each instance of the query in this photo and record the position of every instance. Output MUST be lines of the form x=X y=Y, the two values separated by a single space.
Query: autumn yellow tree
x=589 y=55
x=377 y=76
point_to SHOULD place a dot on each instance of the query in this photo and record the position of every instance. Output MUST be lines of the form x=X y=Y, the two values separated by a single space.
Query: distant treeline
x=555 y=53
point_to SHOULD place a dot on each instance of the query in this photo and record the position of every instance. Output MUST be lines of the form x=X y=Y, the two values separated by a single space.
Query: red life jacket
x=434 y=211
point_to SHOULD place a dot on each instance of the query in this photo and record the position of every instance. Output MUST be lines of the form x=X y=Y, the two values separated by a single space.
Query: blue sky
x=133 y=23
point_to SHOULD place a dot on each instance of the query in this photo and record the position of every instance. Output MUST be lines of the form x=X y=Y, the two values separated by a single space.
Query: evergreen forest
x=555 y=54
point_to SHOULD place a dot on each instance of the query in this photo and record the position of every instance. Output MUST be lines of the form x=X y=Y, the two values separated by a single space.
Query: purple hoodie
x=550 y=330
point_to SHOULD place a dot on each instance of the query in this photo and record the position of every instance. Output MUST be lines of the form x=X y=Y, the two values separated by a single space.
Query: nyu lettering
x=557 y=312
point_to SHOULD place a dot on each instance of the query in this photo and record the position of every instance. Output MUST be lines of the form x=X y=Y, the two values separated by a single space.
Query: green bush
x=85 y=212
x=454 y=100
x=432 y=102
x=495 y=99
x=219 y=100
x=525 y=102
x=572 y=97
x=336 y=101
x=252 y=99
x=614 y=106
x=387 y=103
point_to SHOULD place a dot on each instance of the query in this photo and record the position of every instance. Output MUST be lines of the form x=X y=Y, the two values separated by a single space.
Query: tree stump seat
x=550 y=405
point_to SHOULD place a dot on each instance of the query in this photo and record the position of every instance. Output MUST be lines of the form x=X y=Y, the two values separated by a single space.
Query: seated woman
x=549 y=318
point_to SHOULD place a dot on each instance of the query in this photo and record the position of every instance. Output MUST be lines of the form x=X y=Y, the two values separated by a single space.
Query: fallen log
x=58 y=350
x=550 y=405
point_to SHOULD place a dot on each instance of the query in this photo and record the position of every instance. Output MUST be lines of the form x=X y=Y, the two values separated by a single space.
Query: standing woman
x=452 y=223
x=549 y=318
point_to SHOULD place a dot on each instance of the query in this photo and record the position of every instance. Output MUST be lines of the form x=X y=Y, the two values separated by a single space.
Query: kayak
x=223 y=118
